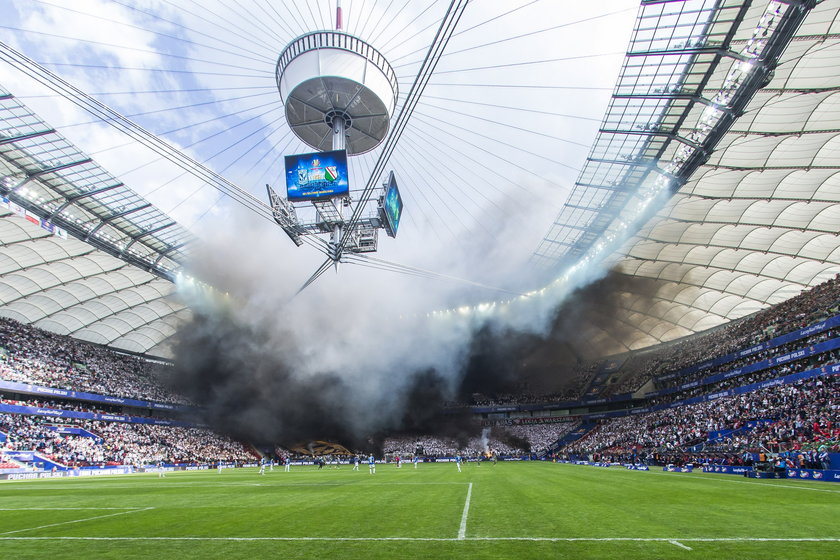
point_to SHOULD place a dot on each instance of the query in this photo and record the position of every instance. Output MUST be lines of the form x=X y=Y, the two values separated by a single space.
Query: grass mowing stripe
x=76 y=521
x=462 y=530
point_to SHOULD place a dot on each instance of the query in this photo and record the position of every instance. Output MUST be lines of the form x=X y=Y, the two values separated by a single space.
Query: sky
x=489 y=156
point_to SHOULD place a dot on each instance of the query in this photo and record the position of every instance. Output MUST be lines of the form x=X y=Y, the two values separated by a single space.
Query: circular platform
x=326 y=75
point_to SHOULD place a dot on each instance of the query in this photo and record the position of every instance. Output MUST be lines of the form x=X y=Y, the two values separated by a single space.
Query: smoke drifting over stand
x=285 y=375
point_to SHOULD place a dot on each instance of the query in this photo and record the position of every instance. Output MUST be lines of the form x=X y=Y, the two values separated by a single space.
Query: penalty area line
x=462 y=530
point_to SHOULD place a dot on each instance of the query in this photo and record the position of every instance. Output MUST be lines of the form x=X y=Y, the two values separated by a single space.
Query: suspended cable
x=539 y=31
x=444 y=33
x=507 y=107
x=47 y=78
x=163 y=70
x=528 y=63
x=155 y=91
x=261 y=58
x=134 y=49
x=250 y=39
x=494 y=18
x=427 y=273
x=506 y=125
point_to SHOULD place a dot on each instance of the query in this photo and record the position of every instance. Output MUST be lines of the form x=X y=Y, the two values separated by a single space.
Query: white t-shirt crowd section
x=119 y=443
x=42 y=358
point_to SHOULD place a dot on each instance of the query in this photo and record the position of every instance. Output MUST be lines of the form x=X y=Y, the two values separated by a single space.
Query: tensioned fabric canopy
x=758 y=222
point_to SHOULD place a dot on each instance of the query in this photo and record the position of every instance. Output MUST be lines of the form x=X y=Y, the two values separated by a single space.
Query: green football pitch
x=511 y=510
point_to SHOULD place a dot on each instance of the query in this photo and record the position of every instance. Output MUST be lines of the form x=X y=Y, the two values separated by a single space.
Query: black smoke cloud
x=252 y=378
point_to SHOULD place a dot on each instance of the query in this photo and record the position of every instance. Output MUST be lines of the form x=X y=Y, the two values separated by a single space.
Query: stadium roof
x=754 y=224
x=109 y=280
x=752 y=164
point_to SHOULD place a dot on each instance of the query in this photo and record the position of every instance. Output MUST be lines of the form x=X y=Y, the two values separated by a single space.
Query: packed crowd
x=814 y=305
x=751 y=359
x=502 y=440
x=118 y=443
x=39 y=357
x=796 y=416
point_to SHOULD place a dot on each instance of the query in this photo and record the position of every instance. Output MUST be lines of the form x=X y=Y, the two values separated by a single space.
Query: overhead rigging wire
x=133 y=130
x=444 y=33
x=118 y=121
x=436 y=48
x=179 y=38
x=133 y=49
x=382 y=264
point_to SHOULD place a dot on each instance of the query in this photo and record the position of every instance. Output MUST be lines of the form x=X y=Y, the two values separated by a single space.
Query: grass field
x=512 y=510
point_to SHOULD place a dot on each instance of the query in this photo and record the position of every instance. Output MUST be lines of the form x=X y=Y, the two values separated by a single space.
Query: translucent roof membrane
x=56 y=182
x=109 y=280
x=756 y=221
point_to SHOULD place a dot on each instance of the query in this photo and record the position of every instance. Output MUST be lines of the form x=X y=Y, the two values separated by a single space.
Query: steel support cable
x=410 y=159
x=140 y=92
x=369 y=20
x=509 y=162
x=421 y=149
x=315 y=275
x=432 y=274
x=312 y=14
x=447 y=26
x=422 y=192
x=411 y=37
x=115 y=119
x=525 y=63
x=197 y=142
x=507 y=125
x=229 y=165
x=262 y=58
x=226 y=25
x=435 y=141
x=201 y=33
x=375 y=38
x=508 y=107
x=444 y=33
x=165 y=70
x=258 y=21
x=517 y=36
x=277 y=22
x=524 y=86
x=282 y=22
x=134 y=49
x=555 y=27
x=191 y=106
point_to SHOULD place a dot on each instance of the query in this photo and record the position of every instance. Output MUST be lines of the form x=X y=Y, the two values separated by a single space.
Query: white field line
x=737 y=481
x=74 y=521
x=669 y=540
x=681 y=545
x=63 y=508
x=462 y=530
x=238 y=484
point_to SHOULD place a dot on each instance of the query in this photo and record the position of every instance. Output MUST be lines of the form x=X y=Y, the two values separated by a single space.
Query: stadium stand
x=36 y=356
x=113 y=443
x=776 y=419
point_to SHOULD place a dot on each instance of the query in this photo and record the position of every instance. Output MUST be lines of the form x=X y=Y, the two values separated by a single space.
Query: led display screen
x=316 y=176
x=392 y=207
